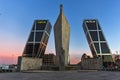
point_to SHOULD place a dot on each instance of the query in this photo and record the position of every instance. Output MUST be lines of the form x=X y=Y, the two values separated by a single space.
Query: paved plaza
x=62 y=75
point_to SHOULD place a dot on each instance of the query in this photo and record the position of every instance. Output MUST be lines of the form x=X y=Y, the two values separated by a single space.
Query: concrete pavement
x=61 y=75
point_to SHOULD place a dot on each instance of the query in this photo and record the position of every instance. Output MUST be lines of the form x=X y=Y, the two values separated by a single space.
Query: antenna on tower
x=61 y=6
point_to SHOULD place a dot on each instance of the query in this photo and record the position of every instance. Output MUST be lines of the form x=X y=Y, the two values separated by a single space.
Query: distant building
x=49 y=59
x=117 y=60
x=8 y=68
x=38 y=38
x=62 y=38
x=4 y=67
x=117 y=63
x=116 y=56
x=97 y=41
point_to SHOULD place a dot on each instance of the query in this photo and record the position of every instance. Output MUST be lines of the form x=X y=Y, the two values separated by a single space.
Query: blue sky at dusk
x=17 y=16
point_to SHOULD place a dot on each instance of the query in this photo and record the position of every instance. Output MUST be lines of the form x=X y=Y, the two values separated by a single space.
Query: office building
x=97 y=42
x=38 y=39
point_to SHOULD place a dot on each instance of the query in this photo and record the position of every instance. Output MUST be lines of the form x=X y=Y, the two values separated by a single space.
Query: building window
x=91 y=26
x=93 y=50
x=99 y=27
x=88 y=38
x=42 y=50
x=45 y=39
x=48 y=28
x=38 y=36
x=101 y=36
x=40 y=26
x=94 y=35
x=29 y=48
x=84 y=28
x=33 y=28
x=104 y=48
x=31 y=37
x=36 y=48
x=97 y=47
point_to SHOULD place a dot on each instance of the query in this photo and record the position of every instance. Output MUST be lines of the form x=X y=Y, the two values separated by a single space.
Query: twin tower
x=38 y=38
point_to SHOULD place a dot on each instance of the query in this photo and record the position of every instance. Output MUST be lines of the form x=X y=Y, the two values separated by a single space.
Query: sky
x=17 y=16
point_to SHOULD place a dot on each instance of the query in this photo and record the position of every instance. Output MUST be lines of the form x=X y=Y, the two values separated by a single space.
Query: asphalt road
x=61 y=75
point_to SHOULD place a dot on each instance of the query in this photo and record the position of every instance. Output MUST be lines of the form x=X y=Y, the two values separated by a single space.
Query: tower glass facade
x=38 y=38
x=97 y=41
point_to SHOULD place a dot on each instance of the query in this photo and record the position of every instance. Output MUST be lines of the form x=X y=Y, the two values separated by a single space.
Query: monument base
x=29 y=63
x=91 y=63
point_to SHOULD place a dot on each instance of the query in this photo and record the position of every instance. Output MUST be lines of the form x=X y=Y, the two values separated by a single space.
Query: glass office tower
x=38 y=38
x=97 y=41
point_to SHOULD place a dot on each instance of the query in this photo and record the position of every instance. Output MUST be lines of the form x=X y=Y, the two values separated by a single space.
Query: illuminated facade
x=62 y=37
x=38 y=38
x=97 y=41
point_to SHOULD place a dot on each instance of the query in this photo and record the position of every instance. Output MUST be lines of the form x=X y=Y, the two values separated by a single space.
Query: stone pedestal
x=28 y=63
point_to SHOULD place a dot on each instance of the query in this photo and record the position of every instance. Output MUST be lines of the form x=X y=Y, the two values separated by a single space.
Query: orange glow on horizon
x=12 y=59
x=8 y=59
x=9 y=53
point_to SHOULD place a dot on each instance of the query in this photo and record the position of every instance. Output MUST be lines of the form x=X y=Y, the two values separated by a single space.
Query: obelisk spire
x=62 y=38
x=61 y=8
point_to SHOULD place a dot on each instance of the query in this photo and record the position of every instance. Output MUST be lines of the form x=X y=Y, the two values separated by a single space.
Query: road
x=61 y=75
